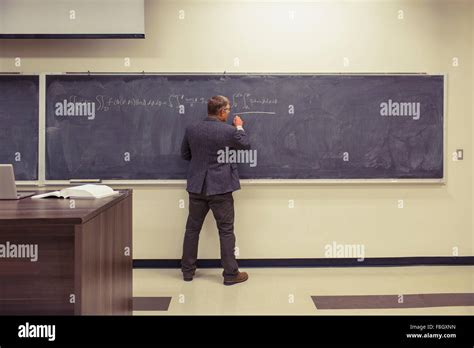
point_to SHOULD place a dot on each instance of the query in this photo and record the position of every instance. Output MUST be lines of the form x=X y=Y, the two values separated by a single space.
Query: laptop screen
x=7 y=182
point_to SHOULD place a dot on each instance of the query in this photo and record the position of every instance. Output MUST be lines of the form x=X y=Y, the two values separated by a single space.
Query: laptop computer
x=8 y=186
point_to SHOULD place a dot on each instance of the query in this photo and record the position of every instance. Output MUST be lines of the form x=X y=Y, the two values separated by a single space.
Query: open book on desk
x=88 y=191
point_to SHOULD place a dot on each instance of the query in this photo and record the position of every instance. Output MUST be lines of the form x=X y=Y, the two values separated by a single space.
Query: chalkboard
x=19 y=104
x=301 y=126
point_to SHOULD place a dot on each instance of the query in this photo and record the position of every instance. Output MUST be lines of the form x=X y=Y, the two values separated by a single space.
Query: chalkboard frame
x=245 y=182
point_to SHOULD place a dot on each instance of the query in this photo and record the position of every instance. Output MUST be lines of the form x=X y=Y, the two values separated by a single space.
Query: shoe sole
x=234 y=282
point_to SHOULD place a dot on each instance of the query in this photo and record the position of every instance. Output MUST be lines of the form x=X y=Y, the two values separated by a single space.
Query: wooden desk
x=84 y=256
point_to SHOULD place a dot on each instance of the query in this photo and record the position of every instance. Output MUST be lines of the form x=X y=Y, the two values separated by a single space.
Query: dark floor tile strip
x=393 y=301
x=151 y=303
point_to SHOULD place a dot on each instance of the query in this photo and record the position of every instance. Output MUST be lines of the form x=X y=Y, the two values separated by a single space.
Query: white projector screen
x=72 y=18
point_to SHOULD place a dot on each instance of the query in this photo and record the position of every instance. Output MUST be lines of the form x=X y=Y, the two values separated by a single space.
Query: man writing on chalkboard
x=210 y=185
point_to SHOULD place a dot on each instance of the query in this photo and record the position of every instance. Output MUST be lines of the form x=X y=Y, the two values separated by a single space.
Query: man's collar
x=211 y=118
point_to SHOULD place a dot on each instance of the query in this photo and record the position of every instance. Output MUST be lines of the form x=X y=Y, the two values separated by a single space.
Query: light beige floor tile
x=288 y=291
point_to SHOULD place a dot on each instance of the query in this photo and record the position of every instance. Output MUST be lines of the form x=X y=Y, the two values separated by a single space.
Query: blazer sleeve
x=185 y=149
x=240 y=139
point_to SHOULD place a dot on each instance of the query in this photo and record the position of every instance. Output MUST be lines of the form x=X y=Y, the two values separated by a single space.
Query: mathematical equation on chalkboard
x=239 y=101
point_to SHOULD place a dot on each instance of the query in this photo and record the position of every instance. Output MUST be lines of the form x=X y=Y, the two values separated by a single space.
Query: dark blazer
x=201 y=144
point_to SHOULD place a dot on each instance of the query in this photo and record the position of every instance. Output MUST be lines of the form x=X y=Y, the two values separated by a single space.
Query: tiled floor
x=288 y=291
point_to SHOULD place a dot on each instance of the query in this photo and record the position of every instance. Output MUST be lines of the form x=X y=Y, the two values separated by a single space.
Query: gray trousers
x=222 y=207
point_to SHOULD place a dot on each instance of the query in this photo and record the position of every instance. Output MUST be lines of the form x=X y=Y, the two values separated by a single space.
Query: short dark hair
x=216 y=103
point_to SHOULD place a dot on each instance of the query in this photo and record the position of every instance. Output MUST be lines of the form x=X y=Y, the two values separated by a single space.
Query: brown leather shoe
x=238 y=278
x=188 y=277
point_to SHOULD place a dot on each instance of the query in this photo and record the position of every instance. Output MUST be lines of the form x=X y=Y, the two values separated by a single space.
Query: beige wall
x=436 y=218
x=472 y=120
